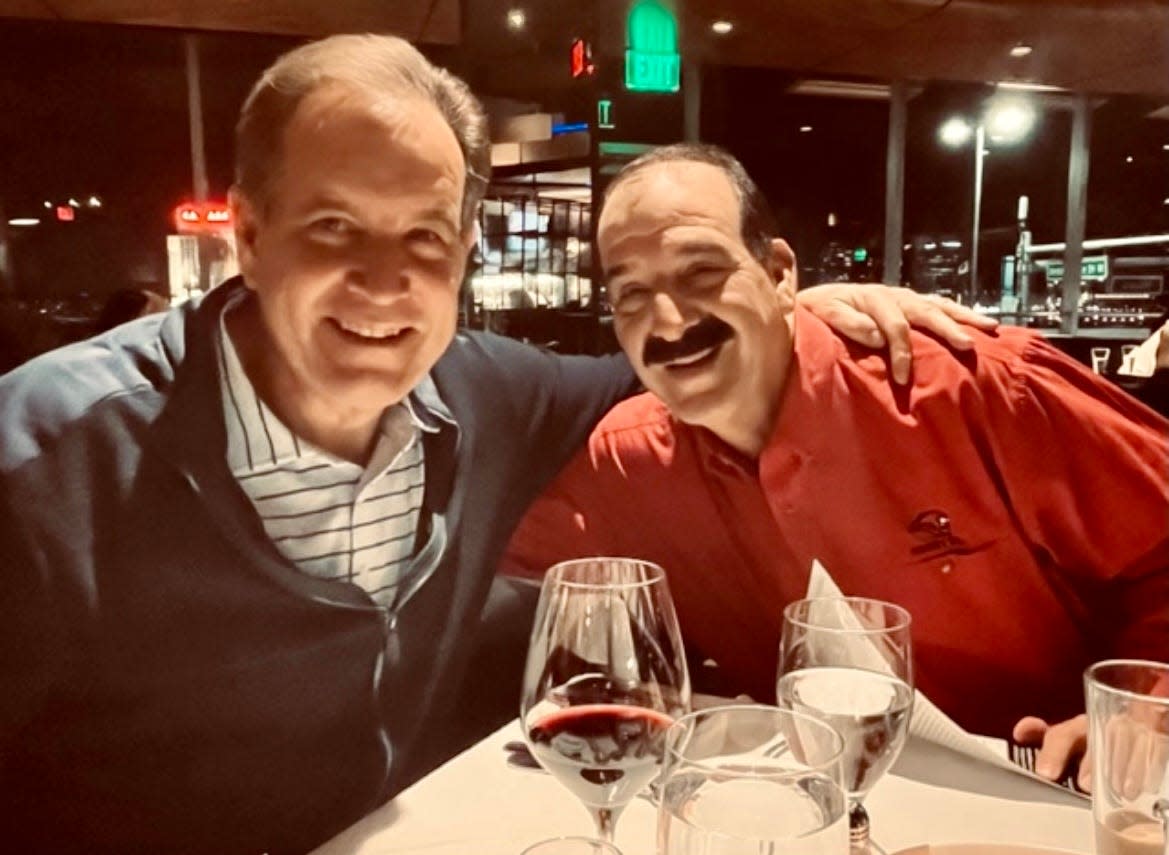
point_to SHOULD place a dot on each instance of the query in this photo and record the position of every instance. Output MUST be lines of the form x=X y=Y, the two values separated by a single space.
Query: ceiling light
x=93 y=202
x=1128 y=159
x=517 y=19
x=1021 y=50
x=24 y=221
x=74 y=203
x=722 y=27
x=1165 y=147
x=805 y=129
x=1024 y=86
x=841 y=89
x=49 y=205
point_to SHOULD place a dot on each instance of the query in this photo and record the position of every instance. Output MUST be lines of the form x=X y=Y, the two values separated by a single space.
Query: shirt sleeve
x=575 y=392
x=560 y=524
x=1086 y=469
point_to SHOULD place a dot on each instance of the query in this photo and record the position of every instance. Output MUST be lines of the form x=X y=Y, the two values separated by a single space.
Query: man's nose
x=381 y=270
x=669 y=316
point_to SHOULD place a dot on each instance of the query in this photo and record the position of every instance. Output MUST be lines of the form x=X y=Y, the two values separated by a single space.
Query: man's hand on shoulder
x=882 y=315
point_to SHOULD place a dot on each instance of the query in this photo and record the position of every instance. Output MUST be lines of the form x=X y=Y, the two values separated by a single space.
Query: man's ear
x=246 y=219
x=783 y=269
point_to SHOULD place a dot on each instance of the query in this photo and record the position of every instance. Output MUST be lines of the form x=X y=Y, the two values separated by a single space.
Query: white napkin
x=927 y=721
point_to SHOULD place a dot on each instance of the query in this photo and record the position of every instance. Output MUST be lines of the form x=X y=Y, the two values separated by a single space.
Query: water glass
x=1128 y=737
x=572 y=846
x=752 y=780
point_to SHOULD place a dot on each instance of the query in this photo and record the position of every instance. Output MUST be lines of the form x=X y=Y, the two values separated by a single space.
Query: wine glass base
x=858 y=827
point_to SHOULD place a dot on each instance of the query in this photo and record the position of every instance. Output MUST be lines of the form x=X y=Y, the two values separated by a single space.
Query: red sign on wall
x=581 y=58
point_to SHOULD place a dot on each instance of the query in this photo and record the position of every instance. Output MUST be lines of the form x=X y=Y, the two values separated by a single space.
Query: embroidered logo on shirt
x=935 y=534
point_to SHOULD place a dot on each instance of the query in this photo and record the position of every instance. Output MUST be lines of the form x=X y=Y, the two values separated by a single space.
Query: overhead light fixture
x=74 y=203
x=1165 y=147
x=841 y=89
x=49 y=205
x=24 y=221
x=1021 y=50
x=1128 y=159
x=805 y=129
x=517 y=19
x=1024 y=86
x=93 y=202
x=722 y=27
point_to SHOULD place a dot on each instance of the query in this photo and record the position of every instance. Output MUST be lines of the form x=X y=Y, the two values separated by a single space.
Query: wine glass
x=605 y=676
x=848 y=661
x=752 y=779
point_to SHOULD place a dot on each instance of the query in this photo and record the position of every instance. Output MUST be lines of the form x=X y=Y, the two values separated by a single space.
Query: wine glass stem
x=858 y=827
x=606 y=820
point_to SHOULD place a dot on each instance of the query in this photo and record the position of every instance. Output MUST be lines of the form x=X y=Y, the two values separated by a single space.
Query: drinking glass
x=572 y=846
x=1128 y=736
x=848 y=661
x=752 y=780
x=605 y=677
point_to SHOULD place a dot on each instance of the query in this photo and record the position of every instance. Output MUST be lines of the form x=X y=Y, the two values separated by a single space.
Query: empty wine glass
x=605 y=676
x=848 y=661
x=752 y=780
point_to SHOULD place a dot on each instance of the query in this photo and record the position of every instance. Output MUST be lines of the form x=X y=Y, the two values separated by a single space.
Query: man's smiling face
x=704 y=323
x=357 y=253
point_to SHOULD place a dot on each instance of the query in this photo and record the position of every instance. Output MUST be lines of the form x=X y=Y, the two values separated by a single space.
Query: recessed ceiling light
x=1128 y=159
x=722 y=27
x=49 y=205
x=1021 y=50
x=1165 y=147
x=805 y=129
x=517 y=19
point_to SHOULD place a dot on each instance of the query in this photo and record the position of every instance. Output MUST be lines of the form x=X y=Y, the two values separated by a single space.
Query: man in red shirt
x=1014 y=503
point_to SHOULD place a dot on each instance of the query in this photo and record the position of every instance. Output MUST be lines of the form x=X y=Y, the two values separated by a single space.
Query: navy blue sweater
x=170 y=682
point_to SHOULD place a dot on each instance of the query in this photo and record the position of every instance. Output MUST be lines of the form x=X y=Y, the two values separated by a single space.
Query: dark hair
x=374 y=64
x=757 y=224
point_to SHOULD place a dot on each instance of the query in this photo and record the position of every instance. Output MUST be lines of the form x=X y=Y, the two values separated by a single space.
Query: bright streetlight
x=1006 y=121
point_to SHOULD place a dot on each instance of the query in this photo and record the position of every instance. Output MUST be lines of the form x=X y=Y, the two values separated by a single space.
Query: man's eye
x=705 y=275
x=631 y=299
x=426 y=236
x=331 y=227
x=428 y=244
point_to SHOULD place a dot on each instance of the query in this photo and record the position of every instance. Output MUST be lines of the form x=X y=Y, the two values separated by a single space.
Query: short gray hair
x=370 y=63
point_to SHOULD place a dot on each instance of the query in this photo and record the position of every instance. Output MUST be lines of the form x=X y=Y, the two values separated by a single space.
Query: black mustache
x=708 y=332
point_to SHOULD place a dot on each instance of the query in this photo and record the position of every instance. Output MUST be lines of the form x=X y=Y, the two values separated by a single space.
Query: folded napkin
x=928 y=723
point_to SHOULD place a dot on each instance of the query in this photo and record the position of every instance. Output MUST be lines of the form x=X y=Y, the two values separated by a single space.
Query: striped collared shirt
x=332 y=518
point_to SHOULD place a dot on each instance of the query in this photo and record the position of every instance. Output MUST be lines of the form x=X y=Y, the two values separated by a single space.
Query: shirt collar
x=427 y=407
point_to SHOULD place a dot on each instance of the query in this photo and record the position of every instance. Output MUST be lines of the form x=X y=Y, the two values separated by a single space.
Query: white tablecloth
x=479 y=805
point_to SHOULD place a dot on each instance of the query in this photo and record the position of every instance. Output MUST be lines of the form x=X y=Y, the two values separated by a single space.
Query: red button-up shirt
x=1016 y=504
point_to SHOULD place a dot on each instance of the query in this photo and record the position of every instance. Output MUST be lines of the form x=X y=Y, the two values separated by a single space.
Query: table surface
x=479 y=805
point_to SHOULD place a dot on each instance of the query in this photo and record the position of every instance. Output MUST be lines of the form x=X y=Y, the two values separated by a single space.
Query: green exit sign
x=1092 y=267
x=652 y=63
x=652 y=72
